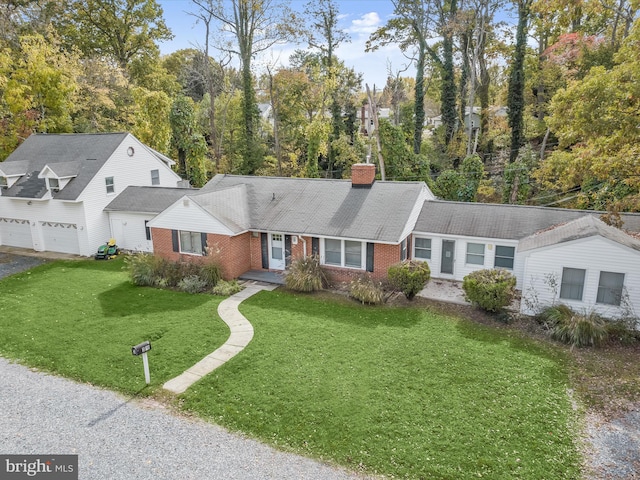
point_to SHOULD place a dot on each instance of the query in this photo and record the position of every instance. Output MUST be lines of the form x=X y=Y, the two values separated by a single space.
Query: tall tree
x=415 y=22
x=515 y=98
x=325 y=36
x=41 y=84
x=188 y=140
x=255 y=26
x=118 y=29
x=596 y=122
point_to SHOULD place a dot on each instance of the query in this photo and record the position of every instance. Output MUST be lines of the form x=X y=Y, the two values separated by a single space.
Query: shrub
x=575 y=329
x=227 y=288
x=622 y=332
x=211 y=273
x=490 y=289
x=143 y=269
x=366 y=290
x=152 y=271
x=192 y=284
x=306 y=275
x=409 y=276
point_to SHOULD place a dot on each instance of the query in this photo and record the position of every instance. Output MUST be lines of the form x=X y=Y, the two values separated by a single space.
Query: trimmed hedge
x=490 y=289
x=409 y=276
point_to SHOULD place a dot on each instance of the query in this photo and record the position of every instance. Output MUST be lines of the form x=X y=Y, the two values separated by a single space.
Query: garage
x=15 y=232
x=60 y=237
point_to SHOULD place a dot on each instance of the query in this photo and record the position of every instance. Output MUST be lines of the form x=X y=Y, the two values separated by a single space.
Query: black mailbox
x=141 y=348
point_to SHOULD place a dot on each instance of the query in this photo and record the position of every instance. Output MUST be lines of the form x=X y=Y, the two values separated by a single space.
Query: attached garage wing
x=15 y=233
x=60 y=237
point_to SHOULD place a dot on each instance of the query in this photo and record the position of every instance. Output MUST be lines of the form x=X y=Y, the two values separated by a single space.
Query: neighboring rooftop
x=85 y=152
x=147 y=199
x=489 y=220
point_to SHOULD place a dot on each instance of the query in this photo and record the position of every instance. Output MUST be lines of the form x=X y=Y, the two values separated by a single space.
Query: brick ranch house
x=362 y=225
x=263 y=223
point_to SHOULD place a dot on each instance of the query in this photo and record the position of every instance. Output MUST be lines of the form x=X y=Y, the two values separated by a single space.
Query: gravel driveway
x=10 y=263
x=117 y=438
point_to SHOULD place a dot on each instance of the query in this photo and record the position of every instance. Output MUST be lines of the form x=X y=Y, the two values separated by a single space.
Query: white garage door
x=15 y=233
x=60 y=237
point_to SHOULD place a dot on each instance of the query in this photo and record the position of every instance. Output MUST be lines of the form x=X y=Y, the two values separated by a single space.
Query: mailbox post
x=142 y=349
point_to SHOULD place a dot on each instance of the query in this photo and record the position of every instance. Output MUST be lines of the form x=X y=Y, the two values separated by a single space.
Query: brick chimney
x=363 y=175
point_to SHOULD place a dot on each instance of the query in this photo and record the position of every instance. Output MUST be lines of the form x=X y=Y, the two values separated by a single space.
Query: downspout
x=304 y=246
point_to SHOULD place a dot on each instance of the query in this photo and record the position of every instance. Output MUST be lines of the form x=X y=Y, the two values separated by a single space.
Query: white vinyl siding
x=191 y=242
x=422 y=248
x=504 y=257
x=572 y=284
x=610 y=288
x=475 y=253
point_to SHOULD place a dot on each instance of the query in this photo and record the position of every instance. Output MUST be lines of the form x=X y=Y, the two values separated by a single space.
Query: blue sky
x=359 y=18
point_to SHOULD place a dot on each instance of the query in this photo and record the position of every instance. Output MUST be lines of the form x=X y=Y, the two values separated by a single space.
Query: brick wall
x=233 y=253
x=243 y=252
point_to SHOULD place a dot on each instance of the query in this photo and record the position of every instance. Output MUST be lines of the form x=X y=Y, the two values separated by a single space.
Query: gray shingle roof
x=230 y=206
x=586 y=226
x=499 y=221
x=146 y=199
x=329 y=208
x=87 y=151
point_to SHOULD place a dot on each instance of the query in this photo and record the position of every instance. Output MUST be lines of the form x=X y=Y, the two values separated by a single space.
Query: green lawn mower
x=108 y=250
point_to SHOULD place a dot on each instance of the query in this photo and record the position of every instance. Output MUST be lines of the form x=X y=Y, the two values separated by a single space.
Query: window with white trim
x=3 y=182
x=108 y=181
x=422 y=248
x=504 y=257
x=403 y=250
x=610 y=288
x=147 y=230
x=475 y=253
x=54 y=184
x=343 y=253
x=191 y=242
x=155 y=177
x=572 y=284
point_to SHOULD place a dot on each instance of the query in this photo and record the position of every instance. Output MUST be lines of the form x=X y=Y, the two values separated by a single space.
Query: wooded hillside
x=544 y=111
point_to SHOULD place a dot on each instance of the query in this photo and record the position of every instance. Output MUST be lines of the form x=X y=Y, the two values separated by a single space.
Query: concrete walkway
x=241 y=335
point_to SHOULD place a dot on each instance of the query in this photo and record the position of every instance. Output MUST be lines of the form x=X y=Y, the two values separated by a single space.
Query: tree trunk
x=515 y=98
x=373 y=113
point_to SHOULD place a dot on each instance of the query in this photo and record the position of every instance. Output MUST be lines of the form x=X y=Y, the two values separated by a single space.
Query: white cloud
x=366 y=24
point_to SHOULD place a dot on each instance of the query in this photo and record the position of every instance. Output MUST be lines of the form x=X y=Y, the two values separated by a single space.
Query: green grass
x=80 y=319
x=402 y=392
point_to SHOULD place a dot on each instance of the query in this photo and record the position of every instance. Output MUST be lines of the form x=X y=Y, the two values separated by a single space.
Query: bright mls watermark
x=50 y=467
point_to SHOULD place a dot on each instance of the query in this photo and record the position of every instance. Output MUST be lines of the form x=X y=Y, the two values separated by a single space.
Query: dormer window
x=3 y=182
x=54 y=184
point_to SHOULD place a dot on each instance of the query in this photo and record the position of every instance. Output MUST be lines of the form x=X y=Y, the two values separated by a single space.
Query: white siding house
x=584 y=264
x=56 y=187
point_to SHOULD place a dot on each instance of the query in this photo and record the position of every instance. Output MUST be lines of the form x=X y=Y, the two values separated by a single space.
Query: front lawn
x=398 y=391
x=80 y=319
x=401 y=392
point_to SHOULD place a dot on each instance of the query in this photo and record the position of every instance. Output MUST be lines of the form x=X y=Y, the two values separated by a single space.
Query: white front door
x=276 y=251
